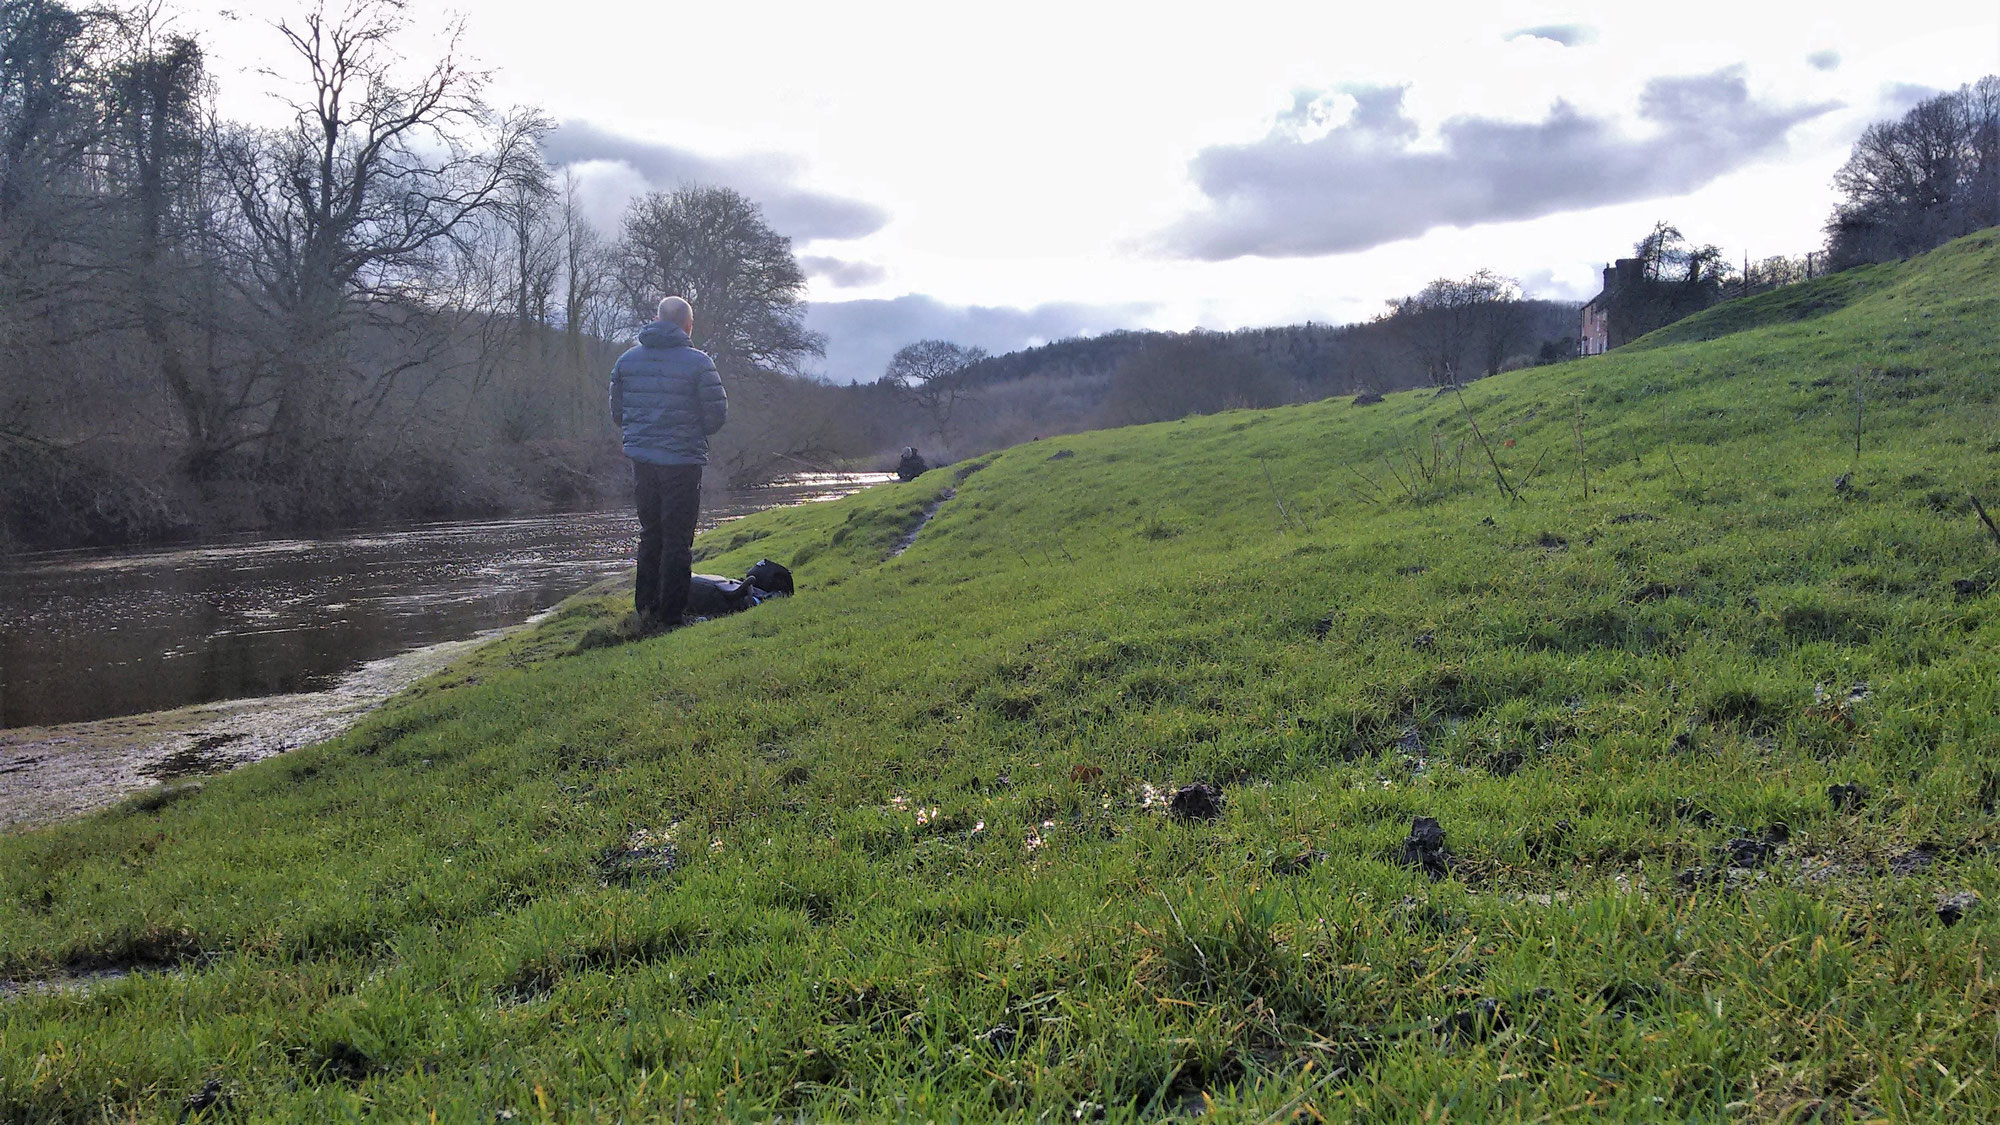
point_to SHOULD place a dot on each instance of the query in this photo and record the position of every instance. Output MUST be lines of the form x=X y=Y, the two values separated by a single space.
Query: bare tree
x=1458 y=328
x=46 y=105
x=344 y=215
x=712 y=246
x=169 y=215
x=933 y=375
x=586 y=267
x=49 y=123
x=528 y=210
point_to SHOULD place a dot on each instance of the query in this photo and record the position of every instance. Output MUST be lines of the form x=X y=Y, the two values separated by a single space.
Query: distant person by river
x=666 y=398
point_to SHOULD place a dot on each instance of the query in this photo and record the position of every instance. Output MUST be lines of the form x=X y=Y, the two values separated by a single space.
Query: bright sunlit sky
x=1004 y=174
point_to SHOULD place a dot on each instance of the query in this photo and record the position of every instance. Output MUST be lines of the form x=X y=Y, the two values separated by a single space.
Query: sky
x=1002 y=175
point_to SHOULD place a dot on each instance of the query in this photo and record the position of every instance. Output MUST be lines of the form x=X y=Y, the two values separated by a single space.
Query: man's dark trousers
x=669 y=500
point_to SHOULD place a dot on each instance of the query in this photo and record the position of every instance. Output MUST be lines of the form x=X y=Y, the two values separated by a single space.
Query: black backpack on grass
x=770 y=577
x=711 y=595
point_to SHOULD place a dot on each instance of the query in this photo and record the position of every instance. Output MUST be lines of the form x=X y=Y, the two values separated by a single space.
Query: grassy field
x=900 y=847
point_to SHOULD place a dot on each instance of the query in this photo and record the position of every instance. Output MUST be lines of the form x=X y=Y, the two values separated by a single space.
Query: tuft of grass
x=1712 y=746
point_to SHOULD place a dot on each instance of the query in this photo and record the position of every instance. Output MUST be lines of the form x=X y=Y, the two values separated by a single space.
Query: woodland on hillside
x=1916 y=183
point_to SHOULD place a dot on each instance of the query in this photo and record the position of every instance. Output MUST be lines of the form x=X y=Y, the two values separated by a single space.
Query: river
x=96 y=645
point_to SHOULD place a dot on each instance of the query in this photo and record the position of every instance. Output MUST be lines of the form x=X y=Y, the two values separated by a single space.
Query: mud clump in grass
x=1424 y=850
x=1484 y=1019
x=1847 y=796
x=210 y=1096
x=1635 y=517
x=645 y=855
x=1199 y=801
x=1545 y=843
x=1916 y=861
x=1737 y=859
x=1953 y=907
x=1367 y=398
x=1746 y=851
x=338 y=1061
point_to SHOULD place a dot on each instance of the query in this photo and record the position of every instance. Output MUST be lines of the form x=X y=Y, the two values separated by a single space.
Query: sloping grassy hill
x=898 y=847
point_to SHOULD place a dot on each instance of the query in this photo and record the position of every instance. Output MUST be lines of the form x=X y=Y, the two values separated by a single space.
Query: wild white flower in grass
x=715 y=845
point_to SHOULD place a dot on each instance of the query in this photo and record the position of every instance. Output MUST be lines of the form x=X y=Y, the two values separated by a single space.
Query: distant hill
x=1333 y=359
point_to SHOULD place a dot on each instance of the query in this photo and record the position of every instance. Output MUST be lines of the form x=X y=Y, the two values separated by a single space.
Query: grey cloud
x=1902 y=97
x=1567 y=34
x=862 y=335
x=771 y=179
x=1362 y=184
x=842 y=272
x=1824 y=60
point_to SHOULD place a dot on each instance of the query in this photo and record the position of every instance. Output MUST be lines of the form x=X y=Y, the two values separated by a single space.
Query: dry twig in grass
x=1984 y=518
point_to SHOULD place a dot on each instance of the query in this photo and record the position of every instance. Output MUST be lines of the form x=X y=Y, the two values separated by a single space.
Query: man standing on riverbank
x=666 y=398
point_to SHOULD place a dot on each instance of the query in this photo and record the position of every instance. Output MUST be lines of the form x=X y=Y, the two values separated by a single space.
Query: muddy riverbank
x=52 y=773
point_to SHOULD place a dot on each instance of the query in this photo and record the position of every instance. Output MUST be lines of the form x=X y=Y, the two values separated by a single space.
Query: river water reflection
x=92 y=635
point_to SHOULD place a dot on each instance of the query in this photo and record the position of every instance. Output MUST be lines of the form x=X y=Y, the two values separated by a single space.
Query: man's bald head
x=676 y=310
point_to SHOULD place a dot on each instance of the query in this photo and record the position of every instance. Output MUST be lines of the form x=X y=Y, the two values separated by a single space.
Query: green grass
x=892 y=848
